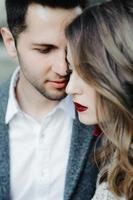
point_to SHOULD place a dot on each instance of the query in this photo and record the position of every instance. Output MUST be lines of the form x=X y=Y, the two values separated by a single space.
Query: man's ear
x=9 y=42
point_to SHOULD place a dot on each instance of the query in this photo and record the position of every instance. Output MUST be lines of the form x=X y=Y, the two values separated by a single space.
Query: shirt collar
x=13 y=108
x=67 y=106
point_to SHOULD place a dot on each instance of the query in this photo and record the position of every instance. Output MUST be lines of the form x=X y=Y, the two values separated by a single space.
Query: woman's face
x=84 y=96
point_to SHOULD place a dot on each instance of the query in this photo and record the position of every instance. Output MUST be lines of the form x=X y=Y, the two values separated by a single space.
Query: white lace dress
x=103 y=193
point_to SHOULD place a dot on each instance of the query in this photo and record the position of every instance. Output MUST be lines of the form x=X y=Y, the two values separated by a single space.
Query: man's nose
x=60 y=65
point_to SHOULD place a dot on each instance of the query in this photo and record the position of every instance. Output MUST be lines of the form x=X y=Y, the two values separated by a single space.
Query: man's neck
x=32 y=102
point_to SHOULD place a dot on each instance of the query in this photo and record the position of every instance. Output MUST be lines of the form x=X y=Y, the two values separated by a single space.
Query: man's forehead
x=49 y=23
x=46 y=13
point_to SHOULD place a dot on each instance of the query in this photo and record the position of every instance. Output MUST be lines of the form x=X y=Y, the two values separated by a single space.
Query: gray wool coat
x=81 y=172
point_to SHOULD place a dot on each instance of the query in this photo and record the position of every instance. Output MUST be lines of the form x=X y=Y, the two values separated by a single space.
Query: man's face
x=41 y=50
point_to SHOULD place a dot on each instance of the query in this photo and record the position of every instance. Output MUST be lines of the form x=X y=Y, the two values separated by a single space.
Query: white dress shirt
x=38 y=151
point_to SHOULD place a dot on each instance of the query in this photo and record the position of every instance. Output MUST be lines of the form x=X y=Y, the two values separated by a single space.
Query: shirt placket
x=43 y=163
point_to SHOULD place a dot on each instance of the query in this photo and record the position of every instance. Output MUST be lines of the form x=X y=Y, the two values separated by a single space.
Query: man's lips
x=80 y=108
x=59 y=84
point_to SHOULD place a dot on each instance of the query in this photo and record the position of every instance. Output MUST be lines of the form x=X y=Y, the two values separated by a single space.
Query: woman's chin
x=87 y=121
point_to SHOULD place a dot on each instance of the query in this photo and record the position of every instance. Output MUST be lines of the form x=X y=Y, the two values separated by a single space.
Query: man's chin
x=55 y=97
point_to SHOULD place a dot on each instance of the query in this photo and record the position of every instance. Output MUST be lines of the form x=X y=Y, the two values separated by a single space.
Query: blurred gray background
x=7 y=64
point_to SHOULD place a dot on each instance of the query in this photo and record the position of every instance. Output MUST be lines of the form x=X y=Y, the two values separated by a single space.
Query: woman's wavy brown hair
x=101 y=41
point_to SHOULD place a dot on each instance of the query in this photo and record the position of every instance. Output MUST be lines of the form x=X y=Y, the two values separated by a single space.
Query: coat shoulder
x=4 y=88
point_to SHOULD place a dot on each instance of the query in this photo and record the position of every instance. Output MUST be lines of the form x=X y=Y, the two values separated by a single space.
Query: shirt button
x=42 y=134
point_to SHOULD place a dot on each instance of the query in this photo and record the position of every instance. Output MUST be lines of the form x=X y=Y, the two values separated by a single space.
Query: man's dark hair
x=17 y=10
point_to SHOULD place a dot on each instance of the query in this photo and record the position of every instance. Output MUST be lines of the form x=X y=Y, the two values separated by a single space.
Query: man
x=44 y=151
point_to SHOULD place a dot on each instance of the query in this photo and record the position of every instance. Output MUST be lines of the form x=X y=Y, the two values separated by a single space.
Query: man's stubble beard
x=40 y=89
x=45 y=93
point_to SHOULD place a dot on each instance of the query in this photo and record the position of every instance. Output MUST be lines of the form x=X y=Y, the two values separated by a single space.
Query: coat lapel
x=80 y=144
x=4 y=147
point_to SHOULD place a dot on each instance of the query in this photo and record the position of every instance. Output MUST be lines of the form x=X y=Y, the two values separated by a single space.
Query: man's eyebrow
x=44 y=45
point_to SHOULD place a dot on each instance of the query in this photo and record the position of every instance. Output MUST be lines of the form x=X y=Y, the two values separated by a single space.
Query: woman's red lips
x=80 y=108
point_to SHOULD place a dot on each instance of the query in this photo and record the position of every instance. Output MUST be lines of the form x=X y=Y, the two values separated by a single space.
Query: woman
x=100 y=58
